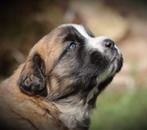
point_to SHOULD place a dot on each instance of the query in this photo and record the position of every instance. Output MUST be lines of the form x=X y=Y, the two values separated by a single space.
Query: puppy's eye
x=72 y=45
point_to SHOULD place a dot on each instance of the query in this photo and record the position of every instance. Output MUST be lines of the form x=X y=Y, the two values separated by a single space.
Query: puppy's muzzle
x=108 y=49
x=113 y=53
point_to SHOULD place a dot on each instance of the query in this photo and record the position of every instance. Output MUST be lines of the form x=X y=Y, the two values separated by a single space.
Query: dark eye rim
x=68 y=49
x=72 y=45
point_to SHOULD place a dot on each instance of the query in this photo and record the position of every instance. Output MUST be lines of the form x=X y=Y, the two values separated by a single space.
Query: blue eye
x=72 y=45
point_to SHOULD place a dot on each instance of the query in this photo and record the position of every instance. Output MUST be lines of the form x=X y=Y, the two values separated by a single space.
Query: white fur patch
x=96 y=43
x=92 y=42
x=79 y=28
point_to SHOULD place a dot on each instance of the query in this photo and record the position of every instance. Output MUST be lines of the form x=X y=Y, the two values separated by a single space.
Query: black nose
x=109 y=43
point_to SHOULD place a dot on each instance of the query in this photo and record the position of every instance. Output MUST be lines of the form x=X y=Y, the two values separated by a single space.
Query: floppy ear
x=32 y=78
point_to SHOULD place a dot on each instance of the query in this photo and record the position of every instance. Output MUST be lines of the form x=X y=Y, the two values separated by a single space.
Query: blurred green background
x=123 y=105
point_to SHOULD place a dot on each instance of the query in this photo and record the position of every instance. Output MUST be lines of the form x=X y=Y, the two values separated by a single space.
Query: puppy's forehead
x=83 y=31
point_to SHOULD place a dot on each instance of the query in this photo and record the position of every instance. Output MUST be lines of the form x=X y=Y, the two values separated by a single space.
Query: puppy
x=57 y=86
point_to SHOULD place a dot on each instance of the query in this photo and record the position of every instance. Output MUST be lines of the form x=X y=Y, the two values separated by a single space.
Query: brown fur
x=24 y=112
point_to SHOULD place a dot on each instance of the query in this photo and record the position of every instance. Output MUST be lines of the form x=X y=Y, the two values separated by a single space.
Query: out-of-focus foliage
x=121 y=111
x=19 y=17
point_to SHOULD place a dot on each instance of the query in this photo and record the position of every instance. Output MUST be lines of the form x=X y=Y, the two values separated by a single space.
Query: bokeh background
x=123 y=105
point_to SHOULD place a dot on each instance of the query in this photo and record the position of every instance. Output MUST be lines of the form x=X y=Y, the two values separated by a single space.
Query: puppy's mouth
x=117 y=61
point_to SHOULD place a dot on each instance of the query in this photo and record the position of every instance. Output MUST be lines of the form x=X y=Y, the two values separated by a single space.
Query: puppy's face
x=68 y=61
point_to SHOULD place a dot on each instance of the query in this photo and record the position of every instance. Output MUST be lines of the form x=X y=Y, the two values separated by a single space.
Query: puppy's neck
x=75 y=112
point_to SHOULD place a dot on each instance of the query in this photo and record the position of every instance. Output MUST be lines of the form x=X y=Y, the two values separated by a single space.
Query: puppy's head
x=70 y=60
